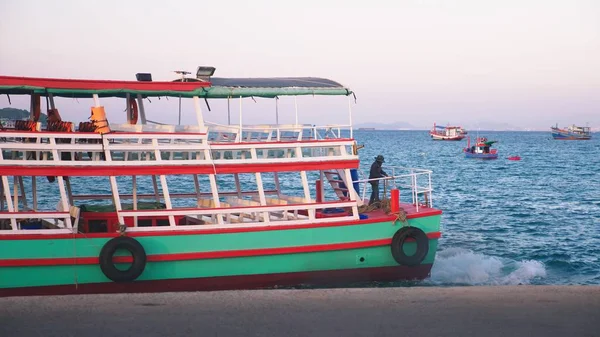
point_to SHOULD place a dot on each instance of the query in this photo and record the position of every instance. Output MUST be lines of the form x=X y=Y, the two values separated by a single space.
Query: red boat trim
x=83 y=171
x=77 y=84
x=340 y=277
x=42 y=236
x=205 y=255
x=117 y=133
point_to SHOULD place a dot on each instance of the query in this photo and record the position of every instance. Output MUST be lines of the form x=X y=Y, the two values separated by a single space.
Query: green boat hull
x=214 y=260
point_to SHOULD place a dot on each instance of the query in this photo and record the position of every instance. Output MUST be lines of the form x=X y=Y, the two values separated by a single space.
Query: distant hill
x=16 y=114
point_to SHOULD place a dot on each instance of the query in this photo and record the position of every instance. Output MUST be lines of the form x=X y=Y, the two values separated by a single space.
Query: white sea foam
x=462 y=266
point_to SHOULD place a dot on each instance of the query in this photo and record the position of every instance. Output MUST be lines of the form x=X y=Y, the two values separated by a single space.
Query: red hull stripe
x=421 y=214
x=338 y=277
x=7 y=133
x=206 y=255
x=76 y=84
x=81 y=171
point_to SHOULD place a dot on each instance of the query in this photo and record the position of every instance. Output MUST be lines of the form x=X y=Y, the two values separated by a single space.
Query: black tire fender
x=106 y=259
x=398 y=242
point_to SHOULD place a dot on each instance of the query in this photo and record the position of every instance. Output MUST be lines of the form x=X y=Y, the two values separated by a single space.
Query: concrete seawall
x=504 y=311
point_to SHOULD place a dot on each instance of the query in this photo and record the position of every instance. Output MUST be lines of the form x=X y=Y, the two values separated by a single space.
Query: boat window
x=162 y=222
x=145 y=223
x=97 y=226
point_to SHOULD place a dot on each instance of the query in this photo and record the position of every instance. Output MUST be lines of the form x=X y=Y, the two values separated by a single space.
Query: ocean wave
x=457 y=266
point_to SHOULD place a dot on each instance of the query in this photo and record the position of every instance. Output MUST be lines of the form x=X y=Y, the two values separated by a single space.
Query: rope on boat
x=385 y=206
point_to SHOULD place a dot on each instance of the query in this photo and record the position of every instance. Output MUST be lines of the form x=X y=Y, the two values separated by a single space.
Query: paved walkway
x=418 y=311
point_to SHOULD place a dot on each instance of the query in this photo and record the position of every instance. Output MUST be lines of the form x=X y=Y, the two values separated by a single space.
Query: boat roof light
x=204 y=72
x=143 y=77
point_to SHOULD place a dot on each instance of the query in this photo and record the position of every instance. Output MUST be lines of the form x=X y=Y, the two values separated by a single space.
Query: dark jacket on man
x=376 y=172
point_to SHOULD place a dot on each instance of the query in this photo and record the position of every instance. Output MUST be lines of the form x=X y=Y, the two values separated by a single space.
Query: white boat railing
x=241 y=214
x=274 y=132
x=418 y=181
x=126 y=148
x=245 y=215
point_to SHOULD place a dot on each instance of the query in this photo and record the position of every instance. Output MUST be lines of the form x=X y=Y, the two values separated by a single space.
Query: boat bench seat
x=210 y=203
x=140 y=128
x=289 y=200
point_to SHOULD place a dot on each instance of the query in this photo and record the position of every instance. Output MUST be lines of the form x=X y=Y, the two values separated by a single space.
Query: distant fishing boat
x=572 y=132
x=447 y=132
x=481 y=149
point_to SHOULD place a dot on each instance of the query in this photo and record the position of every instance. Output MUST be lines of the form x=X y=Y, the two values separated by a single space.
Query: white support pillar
x=64 y=202
x=296 y=109
x=9 y=203
x=34 y=190
x=322 y=179
x=261 y=195
x=2 y=200
x=277 y=187
x=179 y=121
x=61 y=182
x=350 y=116
x=276 y=110
x=69 y=192
x=352 y=194
x=163 y=182
x=116 y=198
x=228 y=111
x=51 y=98
x=128 y=107
x=260 y=188
x=165 y=189
x=215 y=194
x=31 y=107
x=241 y=125
x=238 y=186
x=198 y=110
x=155 y=185
x=197 y=186
x=16 y=193
x=96 y=100
x=311 y=212
x=135 y=201
x=140 y=102
x=430 y=194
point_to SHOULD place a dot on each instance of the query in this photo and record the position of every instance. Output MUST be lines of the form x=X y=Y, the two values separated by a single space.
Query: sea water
x=534 y=221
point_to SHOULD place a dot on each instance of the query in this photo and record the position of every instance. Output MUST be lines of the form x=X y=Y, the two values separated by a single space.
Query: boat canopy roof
x=216 y=88
x=12 y=85
x=273 y=87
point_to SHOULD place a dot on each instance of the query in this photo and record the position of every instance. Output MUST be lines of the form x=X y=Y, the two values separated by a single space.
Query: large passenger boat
x=92 y=206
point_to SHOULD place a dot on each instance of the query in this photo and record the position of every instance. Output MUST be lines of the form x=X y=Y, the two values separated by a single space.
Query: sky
x=527 y=63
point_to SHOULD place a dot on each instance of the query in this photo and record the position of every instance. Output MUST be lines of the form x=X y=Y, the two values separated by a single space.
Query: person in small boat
x=376 y=172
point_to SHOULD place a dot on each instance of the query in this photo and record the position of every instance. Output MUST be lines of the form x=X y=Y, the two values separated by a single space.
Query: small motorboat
x=514 y=158
x=481 y=149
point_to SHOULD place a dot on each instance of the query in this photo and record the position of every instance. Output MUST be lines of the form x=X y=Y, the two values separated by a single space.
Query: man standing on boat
x=376 y=173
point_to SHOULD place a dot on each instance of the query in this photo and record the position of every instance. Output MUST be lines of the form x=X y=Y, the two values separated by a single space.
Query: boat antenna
x=182 y=73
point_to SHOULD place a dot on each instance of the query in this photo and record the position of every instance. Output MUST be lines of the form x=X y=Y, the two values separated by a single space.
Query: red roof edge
x=78 y=84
